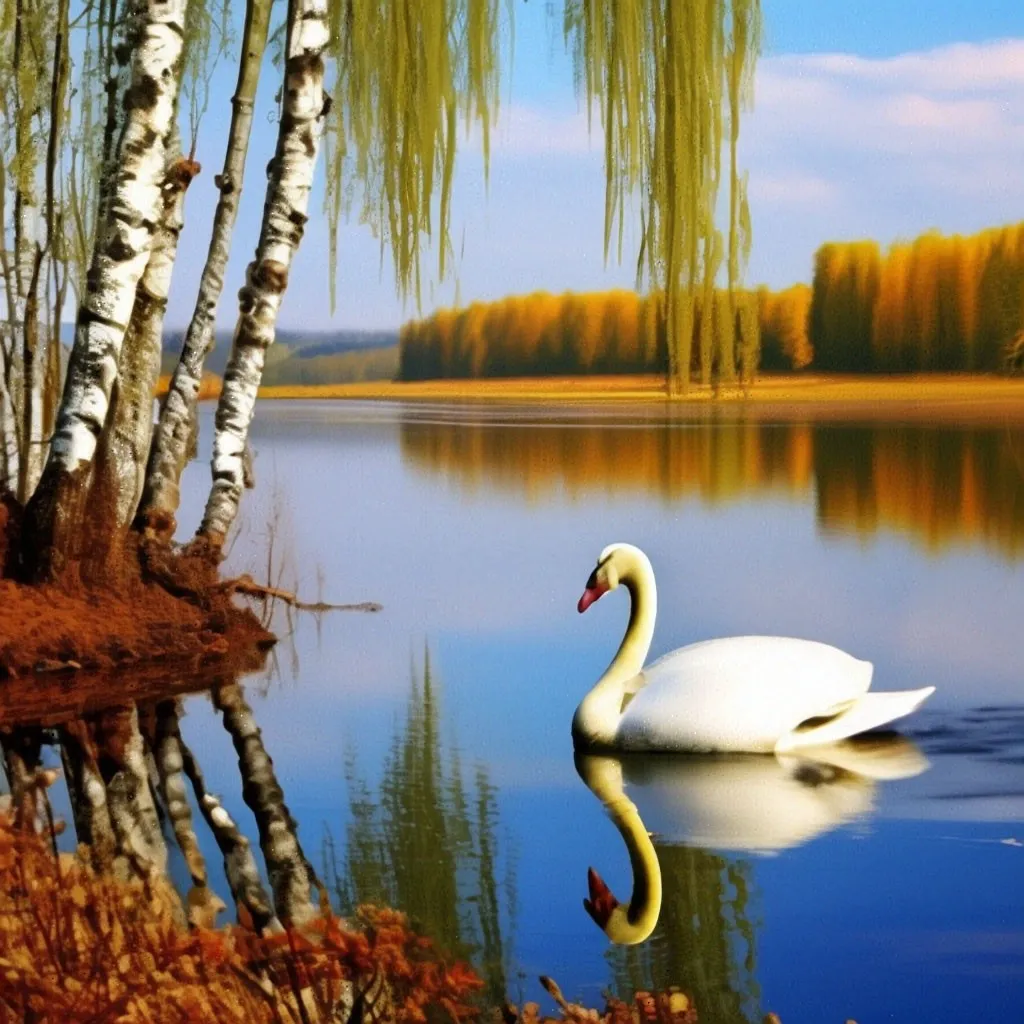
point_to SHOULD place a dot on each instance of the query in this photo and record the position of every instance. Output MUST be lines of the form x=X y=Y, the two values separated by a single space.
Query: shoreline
x=959 y=398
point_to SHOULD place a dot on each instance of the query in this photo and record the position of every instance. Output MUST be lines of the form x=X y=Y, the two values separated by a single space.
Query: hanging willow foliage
x=406 y=75
x=667 y=76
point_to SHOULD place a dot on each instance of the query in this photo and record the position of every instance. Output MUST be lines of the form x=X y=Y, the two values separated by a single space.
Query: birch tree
x=125 y=441
x=122 y=250
x=284 y=218
x=240 y=866
x=171 y=441
x=33 y=93
x=115 y=801
x=291 y=875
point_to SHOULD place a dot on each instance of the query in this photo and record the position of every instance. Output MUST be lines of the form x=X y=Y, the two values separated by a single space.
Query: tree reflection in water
x=940 y=485
x=426 y=842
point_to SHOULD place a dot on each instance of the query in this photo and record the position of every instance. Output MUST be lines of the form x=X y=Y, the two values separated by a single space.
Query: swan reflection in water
x=741 y=803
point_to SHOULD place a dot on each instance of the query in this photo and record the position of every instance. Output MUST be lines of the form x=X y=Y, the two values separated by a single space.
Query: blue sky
x=871 y=119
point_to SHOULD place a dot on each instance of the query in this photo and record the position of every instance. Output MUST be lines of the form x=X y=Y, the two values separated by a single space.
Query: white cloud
x=960 y=67
x=960 y=103
x=526 y=131
x=840 y=146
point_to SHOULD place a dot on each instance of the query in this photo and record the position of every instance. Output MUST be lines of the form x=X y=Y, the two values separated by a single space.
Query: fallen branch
x=247 y=586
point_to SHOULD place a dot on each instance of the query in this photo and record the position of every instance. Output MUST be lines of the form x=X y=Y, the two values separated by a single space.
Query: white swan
x=744 y=694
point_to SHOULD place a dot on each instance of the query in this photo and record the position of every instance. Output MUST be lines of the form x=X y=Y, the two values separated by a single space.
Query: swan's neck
x=632 y=923
x=597 y=717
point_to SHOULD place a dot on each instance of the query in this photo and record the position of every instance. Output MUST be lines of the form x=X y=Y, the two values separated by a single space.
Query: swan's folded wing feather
x=869 y=712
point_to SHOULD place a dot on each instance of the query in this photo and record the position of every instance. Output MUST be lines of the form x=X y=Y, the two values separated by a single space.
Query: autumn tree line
x=938 y=303
x=597 y=332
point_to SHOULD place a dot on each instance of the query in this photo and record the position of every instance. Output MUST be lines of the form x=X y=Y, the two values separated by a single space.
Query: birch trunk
x=124 y=447
x=284 y=217
x=32 y=369
x=240 y=866
x=169 y=756
x=8 y=431
x=22 y=749
x=87 y=791
x=9 y=424
x=58 y=266
x=27 y=255
x=54 y=375
x=290 y=875
x=172 y=441
x=129 y=797
x=120 y=256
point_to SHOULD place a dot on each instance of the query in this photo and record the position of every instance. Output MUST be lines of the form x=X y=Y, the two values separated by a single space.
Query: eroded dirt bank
x=158 y=605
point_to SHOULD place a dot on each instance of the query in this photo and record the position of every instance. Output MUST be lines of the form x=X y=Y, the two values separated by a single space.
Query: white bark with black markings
x=8 y=432
x=291 y=876
x=124 y=239
x=129 y=796
x=284 y=217
x=126 y=440
x=87 y=791
x=172 y=440
x=243 y=874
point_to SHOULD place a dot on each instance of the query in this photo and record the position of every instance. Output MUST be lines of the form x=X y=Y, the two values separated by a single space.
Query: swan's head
x=613 y=918
x=617 y=562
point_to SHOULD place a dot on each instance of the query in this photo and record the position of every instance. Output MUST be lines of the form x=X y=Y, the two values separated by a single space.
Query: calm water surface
x=425 y=750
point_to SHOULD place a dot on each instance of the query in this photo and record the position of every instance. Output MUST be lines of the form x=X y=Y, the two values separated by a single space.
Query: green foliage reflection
x=704 y=942
x=426 y=842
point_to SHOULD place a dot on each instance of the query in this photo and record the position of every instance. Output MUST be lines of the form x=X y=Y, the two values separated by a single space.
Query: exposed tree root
x=247 y=586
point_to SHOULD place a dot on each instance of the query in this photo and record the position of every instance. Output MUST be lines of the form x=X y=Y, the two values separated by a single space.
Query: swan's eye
x=597 y=584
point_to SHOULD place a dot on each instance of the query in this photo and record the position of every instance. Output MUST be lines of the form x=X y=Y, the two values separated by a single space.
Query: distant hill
x=297 y=357
x=307 y=357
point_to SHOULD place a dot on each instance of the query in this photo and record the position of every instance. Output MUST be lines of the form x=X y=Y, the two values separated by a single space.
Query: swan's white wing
x=867 y=712
x=739 y=693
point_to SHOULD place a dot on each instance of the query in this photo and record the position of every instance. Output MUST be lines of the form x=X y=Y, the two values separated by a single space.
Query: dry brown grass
x=209 y=386
x=79 y=947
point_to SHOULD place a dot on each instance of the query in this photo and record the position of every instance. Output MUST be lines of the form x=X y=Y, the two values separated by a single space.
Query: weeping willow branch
x=658 y=71
x=407 y=74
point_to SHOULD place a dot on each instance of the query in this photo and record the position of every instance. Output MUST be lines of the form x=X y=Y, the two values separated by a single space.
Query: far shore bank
x=951 y=397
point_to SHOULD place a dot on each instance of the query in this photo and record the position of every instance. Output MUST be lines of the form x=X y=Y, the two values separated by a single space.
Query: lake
x=425 y=750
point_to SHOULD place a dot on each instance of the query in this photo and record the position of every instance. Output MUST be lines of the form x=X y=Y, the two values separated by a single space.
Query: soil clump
x=155 y=604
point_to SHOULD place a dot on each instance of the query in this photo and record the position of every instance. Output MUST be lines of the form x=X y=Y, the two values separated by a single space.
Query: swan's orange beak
x=590 y=595
x=601 y=902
